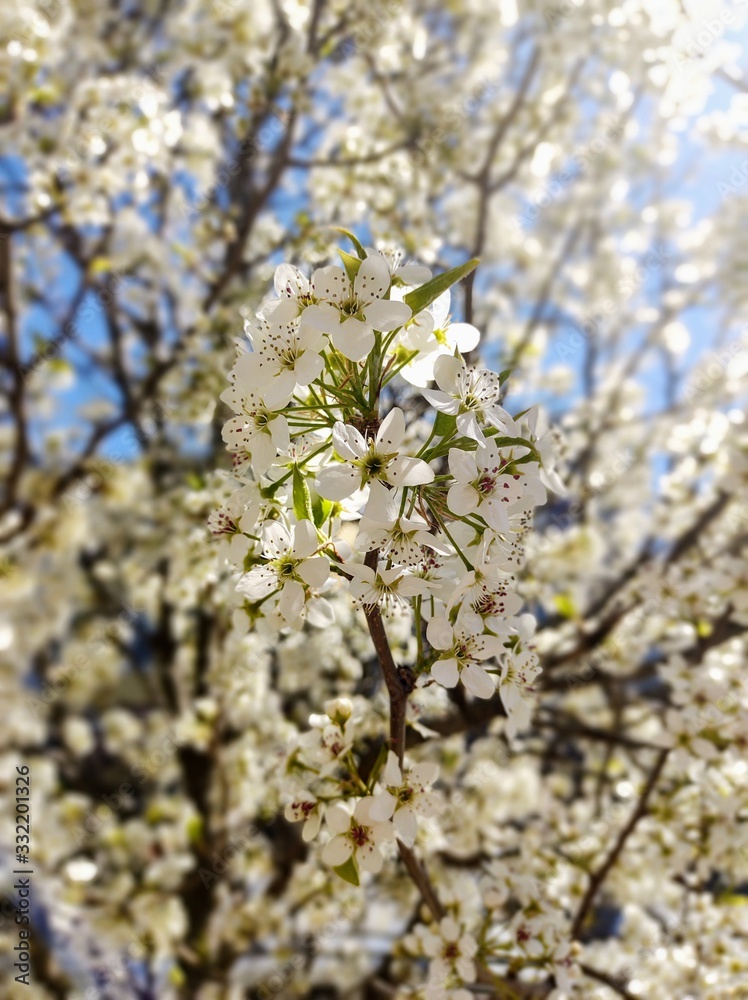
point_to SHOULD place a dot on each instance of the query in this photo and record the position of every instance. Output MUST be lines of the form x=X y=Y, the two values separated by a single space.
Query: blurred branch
x=598 y=878
x=12 y=362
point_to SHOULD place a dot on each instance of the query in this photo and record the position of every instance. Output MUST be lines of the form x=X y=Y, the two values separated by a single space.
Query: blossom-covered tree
x=522 y=737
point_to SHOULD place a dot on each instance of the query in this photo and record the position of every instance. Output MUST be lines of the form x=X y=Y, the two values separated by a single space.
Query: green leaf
x=503 y=376
x=346 y=232
x=302 y=500
x=321 y=509
x=421 y=297
x=348 y=871
x=444 y=424
x=442 y=449
x=351 y=264
x=509 y=442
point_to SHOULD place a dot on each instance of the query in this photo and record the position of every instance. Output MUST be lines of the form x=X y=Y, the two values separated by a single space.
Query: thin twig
x=598 y=877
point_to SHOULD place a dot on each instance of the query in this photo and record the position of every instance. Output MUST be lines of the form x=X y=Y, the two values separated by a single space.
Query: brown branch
x=421 y=880
x=17 y=392
x=598 y=878
x=609 y=980
x=395 y=687
x=398 y=693
x=348 y=161
x=255 y=201
x=483 y=177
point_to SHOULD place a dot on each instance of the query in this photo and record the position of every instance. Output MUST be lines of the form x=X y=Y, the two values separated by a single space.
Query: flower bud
x=339 y=710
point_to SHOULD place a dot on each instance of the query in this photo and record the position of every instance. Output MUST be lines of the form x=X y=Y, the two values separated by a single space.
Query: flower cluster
x=361 y=816
x=442 y=503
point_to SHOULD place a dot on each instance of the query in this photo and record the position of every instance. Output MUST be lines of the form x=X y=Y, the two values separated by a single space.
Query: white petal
x=289 y=281
x=353 y=339
x=450 y=929
x=320 y=612
x=382 y=806
x=407 y=471
x=308 y=367
x=477 y=681
x=279 y=433
x=309 y=338
x=252 y=371
x=446 y=672
x=441 y=401
x=446 y=370
x=258 y=583
x=338 y=819
x=412 y=586
x=406 y=825
x=462 y=465
x=467 y=424
x=494 y=513
x=348 y=441
x=371 y=860
x=331 y=284
x=392 y=773
x=440 y=309
x=383 y=504
x=291 y=603
x=279 y=390
x=277 y=313
x=304 y=539
x=486 y=646
x=337 y=482
x=323 y=318
x=462 y=499
x=276 y=539
x=391 y=431
x=315 y=571
x=263 y=450
x=440 y=634
x=464 y=336
x=311 y=827
x=425 y=773
x=372 y=279
x=386 y=315
x=415 y=274
x=337 y=851
x=465 y=969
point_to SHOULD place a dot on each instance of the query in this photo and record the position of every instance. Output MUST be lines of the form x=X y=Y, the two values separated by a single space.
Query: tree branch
x=602 y=873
